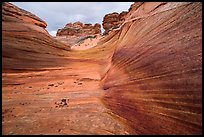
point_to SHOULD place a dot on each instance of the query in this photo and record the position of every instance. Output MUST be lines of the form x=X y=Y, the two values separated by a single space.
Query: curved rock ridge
x=48 y=88
x=144 y=77
x=79 y=29
x=154 y=78
x=12 y=13
x=25 y=40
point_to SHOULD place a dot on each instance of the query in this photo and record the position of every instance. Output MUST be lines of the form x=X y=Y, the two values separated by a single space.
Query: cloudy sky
x=58 y=14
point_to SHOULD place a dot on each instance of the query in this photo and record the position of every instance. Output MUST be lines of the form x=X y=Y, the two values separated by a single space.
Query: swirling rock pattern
x=154 y=81
x=25 y=41
x=38 y=73
x=142 y=78
x=12 y=13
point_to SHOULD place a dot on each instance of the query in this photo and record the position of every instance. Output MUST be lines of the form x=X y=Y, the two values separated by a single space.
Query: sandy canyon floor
x=57 y=101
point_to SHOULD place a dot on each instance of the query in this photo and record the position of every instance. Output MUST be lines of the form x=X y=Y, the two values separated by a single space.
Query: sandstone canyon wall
x=114 y=20
x=25 y=41
x=154 y=80
x=150 y=67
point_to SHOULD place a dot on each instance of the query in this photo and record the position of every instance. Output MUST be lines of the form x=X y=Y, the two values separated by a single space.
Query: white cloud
x=53 y=33
x=58 y=14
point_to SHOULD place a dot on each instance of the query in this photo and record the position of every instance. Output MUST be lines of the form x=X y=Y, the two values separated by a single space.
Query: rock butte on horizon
x=79 y=35
x=79 y=29
x=143 y=76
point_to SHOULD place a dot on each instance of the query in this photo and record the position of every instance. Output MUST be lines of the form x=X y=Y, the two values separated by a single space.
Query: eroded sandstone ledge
x=149 y=71
x=154 y=81
x=26 y=43
x=79 y=29
x=80 y=36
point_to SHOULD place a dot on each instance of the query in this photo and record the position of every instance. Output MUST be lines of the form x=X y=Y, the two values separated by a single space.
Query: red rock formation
x=79 y=29
x=11 y=13
x=113 y=21
x=25 y=41
x=110 y=20
x=39 y=74
x=155 y=77
x=77 y=33
x=150 y=69
x=122 y=16
x=135 y=6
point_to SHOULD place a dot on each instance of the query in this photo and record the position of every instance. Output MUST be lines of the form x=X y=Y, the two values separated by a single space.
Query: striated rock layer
x=12 y=13
x=24 y=34
x=154 y=80
x=149 y=71
x=48 y=88
x=113 y=20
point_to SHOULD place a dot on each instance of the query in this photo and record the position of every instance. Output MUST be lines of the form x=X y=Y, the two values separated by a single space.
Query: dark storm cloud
x=58 y=14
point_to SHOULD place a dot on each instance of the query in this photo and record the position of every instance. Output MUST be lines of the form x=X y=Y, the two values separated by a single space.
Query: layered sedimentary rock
x=79 y=35
x=23 y=33
x=135 y=6
x=79 y=29
x=149 y=71
x=11 y=13
x=155 y=77
x=113 y=21
x=48 y=89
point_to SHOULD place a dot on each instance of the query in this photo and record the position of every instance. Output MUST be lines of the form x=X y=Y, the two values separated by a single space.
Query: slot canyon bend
x=142 y=76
